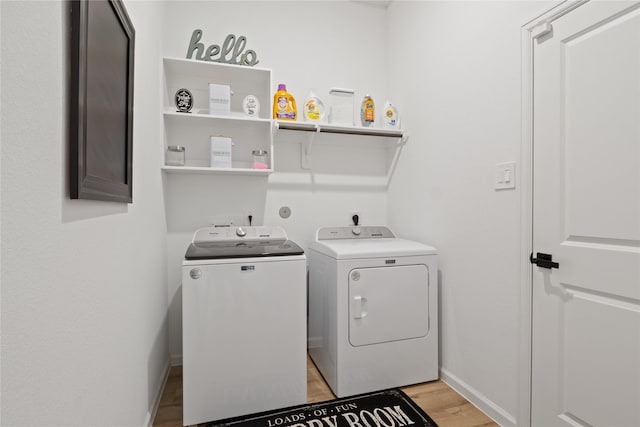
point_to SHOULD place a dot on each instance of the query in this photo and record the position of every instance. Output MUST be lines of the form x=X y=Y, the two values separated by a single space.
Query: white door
x=586 y=179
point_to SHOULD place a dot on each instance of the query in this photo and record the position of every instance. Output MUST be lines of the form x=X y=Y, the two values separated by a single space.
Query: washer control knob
x=356 y=231
x=240 y=232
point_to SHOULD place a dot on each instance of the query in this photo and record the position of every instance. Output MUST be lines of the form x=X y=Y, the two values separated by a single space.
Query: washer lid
x=248 y=249
x=371 y=248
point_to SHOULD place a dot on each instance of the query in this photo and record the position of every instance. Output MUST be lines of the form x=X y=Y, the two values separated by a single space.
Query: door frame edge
x=526 y=225
x=525 y=345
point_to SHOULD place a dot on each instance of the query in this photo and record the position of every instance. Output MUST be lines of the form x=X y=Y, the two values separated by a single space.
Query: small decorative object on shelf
x=260 y=159
x=219 y=99
x=184 y=100
x=232 y=45
x=342 y=106
x=175 y=155
x=251 y=106
x=221 y=152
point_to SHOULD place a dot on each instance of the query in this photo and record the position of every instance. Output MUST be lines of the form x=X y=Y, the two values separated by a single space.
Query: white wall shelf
x=175 y=115
x=398 y=137
x=348 y=130
x=196 y=170
x=193 y=130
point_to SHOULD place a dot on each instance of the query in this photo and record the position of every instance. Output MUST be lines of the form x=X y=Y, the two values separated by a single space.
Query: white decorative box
x=221 y=152
x=342 y=106
x=219 y=99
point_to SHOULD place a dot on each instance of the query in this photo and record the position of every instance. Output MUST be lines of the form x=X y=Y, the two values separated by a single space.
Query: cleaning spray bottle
x=284 y=105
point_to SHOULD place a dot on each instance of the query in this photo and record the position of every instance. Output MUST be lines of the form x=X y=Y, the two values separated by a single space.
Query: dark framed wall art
x=101 y=104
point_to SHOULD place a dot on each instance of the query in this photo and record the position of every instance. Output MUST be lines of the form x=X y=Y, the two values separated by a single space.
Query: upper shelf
x=225 y=72
x=348 y=130
x=196 y=75
x=175 y=115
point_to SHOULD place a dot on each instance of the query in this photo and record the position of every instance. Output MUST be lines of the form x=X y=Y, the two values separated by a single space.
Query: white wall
x=455 y=72
x=84 y=326
x=307 y=45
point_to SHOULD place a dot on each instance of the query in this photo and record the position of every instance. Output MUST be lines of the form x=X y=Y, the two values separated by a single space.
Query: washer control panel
x=369 y=232
x=236 y=234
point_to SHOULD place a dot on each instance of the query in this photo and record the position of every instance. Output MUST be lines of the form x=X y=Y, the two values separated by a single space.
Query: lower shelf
x=193 y=170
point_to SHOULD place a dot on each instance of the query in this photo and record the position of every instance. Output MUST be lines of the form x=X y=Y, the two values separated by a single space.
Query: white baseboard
x=477 y=399
x=151 y=415
x=176 y=360
x=314 y=342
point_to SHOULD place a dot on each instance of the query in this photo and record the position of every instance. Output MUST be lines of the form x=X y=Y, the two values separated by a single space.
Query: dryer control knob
x=240 y=232
x=356 y=231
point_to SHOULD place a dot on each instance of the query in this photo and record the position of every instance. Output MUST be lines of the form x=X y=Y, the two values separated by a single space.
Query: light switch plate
x=505 y=176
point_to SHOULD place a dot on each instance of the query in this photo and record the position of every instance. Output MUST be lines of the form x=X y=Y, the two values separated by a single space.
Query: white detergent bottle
x=390 y=119
x=314 y=110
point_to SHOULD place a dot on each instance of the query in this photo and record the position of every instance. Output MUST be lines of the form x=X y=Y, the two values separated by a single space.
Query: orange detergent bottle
x=284 y=105
x=367 y=111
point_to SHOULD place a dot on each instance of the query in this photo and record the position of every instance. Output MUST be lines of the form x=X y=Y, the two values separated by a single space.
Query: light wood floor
x=445 y=406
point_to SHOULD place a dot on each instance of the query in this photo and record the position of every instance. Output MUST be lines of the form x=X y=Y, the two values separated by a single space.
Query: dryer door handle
x=359 y=307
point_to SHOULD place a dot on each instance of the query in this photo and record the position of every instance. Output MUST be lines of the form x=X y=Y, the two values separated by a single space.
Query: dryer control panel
x=369 y=232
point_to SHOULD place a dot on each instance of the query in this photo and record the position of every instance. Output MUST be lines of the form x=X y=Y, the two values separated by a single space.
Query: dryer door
x=388 y=304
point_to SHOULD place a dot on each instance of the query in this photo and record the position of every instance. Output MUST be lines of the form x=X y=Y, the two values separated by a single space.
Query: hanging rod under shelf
x=324 y=128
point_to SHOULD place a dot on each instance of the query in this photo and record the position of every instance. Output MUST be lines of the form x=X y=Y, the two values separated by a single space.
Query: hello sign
x=231 y=51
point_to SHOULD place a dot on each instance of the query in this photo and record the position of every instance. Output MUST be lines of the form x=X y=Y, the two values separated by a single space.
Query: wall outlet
x=226 y=220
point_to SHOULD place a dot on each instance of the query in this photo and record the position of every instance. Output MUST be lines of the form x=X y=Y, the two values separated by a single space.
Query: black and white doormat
x=388 y=408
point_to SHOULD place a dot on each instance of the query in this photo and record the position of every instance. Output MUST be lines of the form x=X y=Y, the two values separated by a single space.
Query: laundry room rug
x=388 y=408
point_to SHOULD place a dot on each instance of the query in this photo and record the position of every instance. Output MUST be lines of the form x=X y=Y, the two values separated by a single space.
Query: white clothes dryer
x=373 y=309
x=244 y=337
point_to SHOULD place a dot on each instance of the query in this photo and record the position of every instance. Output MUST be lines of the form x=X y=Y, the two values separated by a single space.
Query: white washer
x=373 y=309
x=243 y=323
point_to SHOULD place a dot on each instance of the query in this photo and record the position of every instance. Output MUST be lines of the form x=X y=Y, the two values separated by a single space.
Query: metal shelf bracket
x=305 y=152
